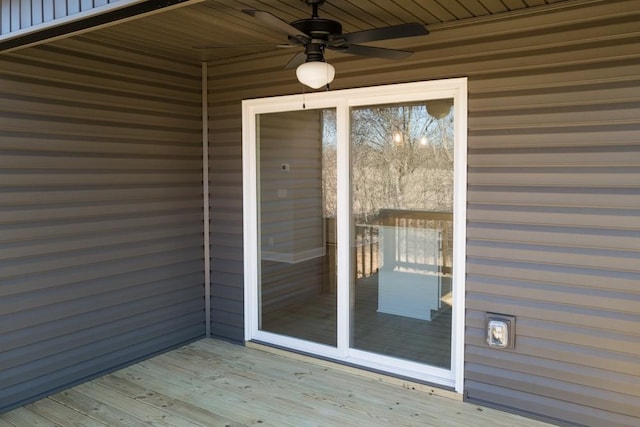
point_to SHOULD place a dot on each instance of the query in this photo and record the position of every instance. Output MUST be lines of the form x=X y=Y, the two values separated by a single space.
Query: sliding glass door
x=402 y=213
x=297 y=211
x=354 y=226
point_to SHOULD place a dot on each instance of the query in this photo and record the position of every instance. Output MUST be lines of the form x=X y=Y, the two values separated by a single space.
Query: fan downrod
x=316 y=27
x=314 y=4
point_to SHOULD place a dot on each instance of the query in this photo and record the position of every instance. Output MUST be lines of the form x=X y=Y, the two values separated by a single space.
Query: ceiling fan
x=316 y=34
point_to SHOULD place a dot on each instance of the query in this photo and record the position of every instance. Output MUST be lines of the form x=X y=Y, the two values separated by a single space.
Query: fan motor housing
x=318 y=28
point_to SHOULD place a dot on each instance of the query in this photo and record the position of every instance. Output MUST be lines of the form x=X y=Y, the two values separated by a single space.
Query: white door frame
x=342 y=101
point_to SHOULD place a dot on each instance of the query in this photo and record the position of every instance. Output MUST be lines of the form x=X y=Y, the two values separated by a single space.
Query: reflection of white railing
x=367 y=247
x=408 y=242
x=411 y=249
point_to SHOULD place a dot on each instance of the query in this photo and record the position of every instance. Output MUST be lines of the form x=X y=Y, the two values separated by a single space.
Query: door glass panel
x=402 y=213
x=297 y=211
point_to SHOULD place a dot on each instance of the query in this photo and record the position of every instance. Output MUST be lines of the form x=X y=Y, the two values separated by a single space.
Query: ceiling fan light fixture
x=316 y=34
x=315 y=74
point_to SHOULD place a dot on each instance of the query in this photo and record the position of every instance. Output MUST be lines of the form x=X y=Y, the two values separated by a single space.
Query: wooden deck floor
x=213 y=383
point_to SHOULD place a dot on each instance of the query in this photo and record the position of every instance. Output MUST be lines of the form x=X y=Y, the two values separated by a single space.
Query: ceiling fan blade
x=277 y=24
x=386 y=33
x=376 y=52
x=298 y=59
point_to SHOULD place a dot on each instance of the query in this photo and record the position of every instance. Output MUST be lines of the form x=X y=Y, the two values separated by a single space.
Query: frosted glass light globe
x=315 y=74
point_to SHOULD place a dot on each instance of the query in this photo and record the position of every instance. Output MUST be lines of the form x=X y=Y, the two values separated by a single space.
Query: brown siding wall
x=16 y=15
x=225 y=193
x=100 y=214
x=553 y=198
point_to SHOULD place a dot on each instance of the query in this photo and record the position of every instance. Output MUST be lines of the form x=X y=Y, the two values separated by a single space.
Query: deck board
x=214 y=383
x=25 y=417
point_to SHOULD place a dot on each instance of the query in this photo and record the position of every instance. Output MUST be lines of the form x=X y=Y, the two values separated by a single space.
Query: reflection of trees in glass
x=402 y=158
x=329 y=163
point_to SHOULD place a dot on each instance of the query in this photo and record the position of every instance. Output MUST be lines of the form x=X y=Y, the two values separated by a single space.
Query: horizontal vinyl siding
x=100 y=214
x=553 y=197
x=225 y=166
x=16 y=15
x=553 y=231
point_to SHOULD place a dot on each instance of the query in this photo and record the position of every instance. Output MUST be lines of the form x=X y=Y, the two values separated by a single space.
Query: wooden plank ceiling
x=176 y=33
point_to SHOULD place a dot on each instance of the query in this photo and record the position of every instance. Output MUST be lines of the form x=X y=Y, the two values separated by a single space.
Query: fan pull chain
x=304 y=105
